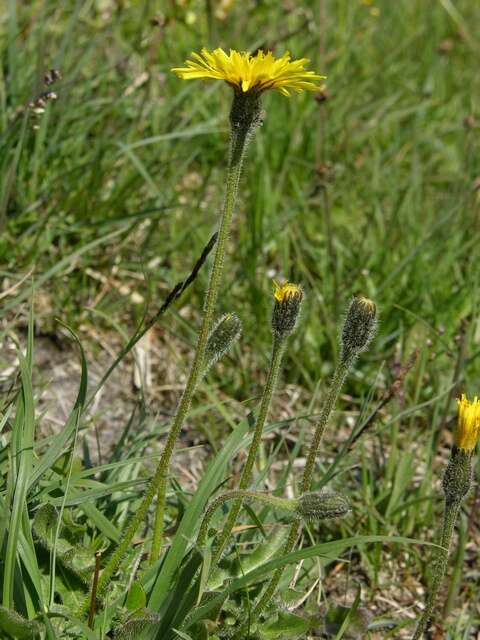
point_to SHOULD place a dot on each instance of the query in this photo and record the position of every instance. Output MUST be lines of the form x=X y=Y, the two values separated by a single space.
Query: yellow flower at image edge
x=247 y=73
x=467 y=431
x=285 y=291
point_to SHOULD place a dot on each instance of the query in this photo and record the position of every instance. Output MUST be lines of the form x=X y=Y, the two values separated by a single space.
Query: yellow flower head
x=247 y=73
x=468 y=425
x=286 y=291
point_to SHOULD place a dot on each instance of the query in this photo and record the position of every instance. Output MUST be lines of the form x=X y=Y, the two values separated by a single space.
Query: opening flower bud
x=223 y=335
x=359 y=327
x=467 y=431
x=288 y=300
x=321 y=505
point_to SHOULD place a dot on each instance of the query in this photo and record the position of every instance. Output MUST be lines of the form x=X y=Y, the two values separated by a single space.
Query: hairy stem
x=440 y=566
x=278 y=349
x=234 y=171
x=241 y=131
x=283 y=504
x=337 y=382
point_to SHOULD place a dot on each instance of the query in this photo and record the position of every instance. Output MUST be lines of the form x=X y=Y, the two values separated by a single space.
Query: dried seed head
x=50 y=95
x=51 y=76
x=288 y=301
x=322 y=504
x=223 y=335
x=359 y=327
x=38 y=105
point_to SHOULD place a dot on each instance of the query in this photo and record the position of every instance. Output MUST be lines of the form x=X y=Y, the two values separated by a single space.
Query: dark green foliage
x=74 y=558
x=14 y=626
x=355 y=620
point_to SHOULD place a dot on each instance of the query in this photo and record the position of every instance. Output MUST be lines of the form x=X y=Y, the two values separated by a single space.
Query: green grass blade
x=77 y=413
x=57 y=445
x=323 y=549
x=102 y=523
x=23 y=455
x=349 y=617
x=63 y=264
x=77 y=497
x=214 y=474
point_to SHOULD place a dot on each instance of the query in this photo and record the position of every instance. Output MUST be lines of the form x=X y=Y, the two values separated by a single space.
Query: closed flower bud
x=221 y=338
x=359 y=327
x=288 y=300
x=321 y=505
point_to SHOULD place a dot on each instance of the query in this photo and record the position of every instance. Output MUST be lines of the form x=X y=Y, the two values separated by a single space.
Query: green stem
x=282 y=504
x=337 y=382
x=338 y=379
x=233 y=178
x=278 y=349
x=158 y=484
x=449 y=519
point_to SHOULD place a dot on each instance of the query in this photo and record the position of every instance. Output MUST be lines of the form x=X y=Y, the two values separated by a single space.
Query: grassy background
x=110 y=195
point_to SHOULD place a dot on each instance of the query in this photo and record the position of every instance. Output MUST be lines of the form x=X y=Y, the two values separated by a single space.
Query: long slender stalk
x=440 y=566
x=338 y=379
x=357 y=331
x=282 y=504
x=278 y=349
x=233 y=178
x=157 y=485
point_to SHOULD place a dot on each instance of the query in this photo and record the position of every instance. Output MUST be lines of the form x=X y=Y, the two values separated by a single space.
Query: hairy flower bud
x=359 y=327
x=458 y=476
x=322 y=504
x=288 y=300
x=223 y=335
